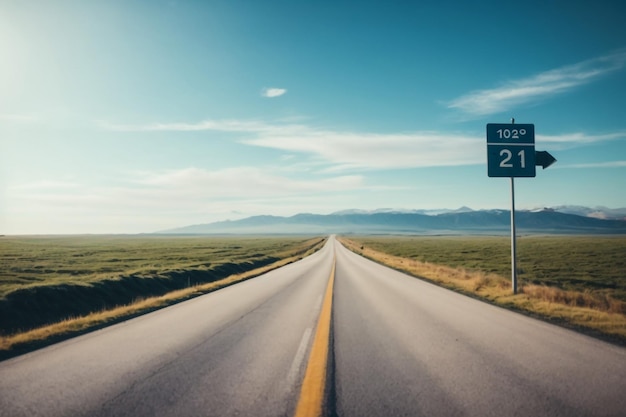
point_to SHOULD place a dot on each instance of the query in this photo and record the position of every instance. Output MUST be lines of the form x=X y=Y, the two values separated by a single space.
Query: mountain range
x=562 y=219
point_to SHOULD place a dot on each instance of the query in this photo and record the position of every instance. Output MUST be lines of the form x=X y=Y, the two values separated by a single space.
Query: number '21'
x=507 y=157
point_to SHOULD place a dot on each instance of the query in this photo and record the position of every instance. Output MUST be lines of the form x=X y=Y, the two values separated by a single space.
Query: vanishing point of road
x=332 y=333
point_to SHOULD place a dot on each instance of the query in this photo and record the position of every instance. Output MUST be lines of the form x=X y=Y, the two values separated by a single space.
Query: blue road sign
x=510 y=150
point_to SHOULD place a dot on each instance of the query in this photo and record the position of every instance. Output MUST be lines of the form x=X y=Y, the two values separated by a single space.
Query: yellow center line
x=314 y=383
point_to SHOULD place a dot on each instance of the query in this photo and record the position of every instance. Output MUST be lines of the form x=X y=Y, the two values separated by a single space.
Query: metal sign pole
x=513 y=234
x=513 y=248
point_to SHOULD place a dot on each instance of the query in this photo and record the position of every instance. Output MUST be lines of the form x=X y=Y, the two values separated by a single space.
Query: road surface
x=399 y=347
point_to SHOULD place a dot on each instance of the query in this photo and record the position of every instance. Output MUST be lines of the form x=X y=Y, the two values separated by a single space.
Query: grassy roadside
x=598 y=313
x=22 y=342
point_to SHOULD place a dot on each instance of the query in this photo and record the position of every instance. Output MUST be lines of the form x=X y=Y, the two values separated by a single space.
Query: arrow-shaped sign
x=544 y=159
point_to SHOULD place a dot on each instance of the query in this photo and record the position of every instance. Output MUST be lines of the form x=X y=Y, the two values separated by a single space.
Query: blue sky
x=137 y=116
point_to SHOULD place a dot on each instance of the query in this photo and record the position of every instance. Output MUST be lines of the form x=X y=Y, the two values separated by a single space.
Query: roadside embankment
x=32 y=307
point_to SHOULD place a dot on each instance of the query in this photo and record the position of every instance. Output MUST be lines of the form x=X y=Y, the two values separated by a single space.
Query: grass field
x=47 y=279
x=32 y=261
x=580 y=263
x=576 y=280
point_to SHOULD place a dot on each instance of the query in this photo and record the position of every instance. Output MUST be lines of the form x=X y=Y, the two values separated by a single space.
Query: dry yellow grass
x=491 y=285
x=601 y=302
x=595 y=313
x=74 y=326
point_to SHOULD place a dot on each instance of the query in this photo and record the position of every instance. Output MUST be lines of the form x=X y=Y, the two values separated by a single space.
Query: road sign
x=511 y=153
x=510 y=150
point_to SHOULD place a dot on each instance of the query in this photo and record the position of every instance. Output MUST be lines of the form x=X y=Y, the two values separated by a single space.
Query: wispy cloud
x=217 y=125
x=354 y=150
x=242 y=181
x=195 y=184
x=343 y=150
x=141 y=200
x=570 y=140
x=13 y=117
x=47 y=185
x=537 y=87
x=608 y=164
x=273 y=92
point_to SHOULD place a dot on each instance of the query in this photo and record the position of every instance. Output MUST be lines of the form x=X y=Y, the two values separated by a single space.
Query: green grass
x=47 y=279
x=32 y=261
x=575 y=263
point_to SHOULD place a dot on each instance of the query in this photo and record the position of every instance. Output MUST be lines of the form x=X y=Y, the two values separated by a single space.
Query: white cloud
x=540 y=86
x=576 y=139
x=343 y=150
x=340 y=150
x=152 y=200
x=580 y=138
x=50 y=185
x=13 y=117
x=608 y=164
x=217 y=125
x=192 y=184
x=351 y=150
x=242 y=182
x=273 y=92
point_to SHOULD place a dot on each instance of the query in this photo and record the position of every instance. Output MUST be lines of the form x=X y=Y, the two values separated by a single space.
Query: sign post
x=513 y=238
x=511 y=153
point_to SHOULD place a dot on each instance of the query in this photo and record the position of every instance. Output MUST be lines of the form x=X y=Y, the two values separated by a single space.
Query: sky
x=133 y=116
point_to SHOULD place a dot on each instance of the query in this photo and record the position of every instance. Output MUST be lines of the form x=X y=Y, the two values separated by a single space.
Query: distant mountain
x=393 y=210
x=598 y=212
x=463 y=209
x=463 y=220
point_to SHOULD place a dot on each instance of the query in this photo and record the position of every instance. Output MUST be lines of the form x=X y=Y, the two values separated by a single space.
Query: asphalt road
x=401 y=347
x=239 y=351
